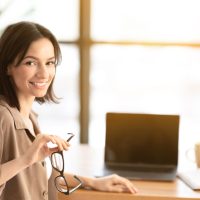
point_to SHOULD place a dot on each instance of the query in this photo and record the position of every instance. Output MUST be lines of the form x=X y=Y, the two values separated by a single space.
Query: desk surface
x=84 y=160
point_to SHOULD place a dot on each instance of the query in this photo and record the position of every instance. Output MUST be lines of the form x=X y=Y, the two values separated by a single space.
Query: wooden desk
x=83 y=160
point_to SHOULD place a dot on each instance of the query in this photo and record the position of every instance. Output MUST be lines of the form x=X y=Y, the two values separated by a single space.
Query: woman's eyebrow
x=30 y=57
x=36 y=58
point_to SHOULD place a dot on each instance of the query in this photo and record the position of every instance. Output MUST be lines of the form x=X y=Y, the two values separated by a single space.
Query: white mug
x=196 y=151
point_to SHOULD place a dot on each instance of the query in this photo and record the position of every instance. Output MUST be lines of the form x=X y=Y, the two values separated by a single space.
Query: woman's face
x=35 y=73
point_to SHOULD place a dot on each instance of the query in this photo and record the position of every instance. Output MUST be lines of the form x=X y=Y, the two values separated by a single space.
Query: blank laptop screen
x=141 y=139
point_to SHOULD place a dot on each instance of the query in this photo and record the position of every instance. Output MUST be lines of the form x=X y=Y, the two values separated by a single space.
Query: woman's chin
x=40 y=95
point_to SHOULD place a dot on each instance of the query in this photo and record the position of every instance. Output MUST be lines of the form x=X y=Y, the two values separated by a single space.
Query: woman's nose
x=42 y=71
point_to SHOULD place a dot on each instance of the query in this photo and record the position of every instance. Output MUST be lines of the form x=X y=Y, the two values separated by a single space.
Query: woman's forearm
x=11 y=168
x=112 y=183
x=87 y=181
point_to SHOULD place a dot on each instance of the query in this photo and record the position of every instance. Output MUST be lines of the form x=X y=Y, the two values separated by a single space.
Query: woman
x=29 y=54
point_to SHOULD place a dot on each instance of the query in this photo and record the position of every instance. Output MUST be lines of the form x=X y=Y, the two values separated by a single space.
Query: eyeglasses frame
x=69 y=191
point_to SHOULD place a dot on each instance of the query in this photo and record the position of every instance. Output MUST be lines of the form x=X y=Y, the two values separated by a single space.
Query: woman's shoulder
x=6 y=121
x=5 y=113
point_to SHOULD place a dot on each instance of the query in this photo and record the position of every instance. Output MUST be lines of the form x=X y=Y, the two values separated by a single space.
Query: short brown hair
x=14 y=43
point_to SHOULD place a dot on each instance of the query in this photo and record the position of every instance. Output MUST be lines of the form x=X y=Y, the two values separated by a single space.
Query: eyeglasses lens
x=61 y=184
x=57 y=161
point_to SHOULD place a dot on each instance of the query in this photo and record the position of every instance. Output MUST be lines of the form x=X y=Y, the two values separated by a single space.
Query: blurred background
x=138 y=56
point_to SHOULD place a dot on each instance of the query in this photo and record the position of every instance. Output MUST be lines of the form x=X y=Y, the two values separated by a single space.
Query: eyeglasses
x=57 y=162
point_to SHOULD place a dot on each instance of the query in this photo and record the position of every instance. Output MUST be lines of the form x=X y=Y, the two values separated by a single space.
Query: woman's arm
x=11 y=168
x=112 y=183
x=37 y=152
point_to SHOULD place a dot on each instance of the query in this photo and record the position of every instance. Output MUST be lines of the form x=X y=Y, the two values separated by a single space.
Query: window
x=61 y=16
x=145 y=57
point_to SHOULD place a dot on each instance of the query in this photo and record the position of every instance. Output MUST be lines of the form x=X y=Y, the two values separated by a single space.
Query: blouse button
x=45 y=193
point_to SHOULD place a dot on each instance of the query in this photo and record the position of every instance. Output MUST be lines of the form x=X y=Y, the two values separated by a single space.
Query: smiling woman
x=50 y=14
x=29 y=54
x=20 y=51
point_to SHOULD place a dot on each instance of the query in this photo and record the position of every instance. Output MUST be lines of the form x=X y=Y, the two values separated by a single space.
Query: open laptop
x=141 y=146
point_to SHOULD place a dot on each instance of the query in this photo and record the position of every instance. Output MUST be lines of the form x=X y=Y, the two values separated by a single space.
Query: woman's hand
x=39 y=150
x=113 y=183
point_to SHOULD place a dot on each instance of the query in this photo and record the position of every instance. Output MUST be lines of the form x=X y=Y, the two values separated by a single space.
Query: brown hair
x=14 y=44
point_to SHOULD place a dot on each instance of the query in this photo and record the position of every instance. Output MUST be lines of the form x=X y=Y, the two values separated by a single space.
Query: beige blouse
x=15 y=139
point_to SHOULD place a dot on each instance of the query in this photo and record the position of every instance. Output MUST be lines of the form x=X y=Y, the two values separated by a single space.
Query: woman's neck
x=26 y=106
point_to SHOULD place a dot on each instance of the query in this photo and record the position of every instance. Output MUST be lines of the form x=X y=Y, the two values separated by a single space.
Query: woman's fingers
x=52 y=150
x=44 y=139
x=123 y=184
x=128 y=185
x=61 y=144
x=114 y=183
x=39 y=150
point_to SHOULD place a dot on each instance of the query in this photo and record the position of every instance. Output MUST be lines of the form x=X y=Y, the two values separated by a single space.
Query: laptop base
x=139 y=175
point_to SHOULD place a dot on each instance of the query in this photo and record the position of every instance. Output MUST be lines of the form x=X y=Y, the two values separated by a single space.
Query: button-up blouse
x=15 y=138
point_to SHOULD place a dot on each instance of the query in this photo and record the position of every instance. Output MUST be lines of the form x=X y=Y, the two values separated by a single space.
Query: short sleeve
x=4 y=124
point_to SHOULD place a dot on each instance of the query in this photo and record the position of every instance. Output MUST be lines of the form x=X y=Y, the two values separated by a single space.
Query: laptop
x=141 y=146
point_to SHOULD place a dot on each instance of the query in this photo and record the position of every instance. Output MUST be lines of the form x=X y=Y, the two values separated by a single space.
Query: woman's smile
x=39 y=85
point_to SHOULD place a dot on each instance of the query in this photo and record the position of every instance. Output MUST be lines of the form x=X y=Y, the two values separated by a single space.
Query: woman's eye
x=31 y=63
x=51 y=63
